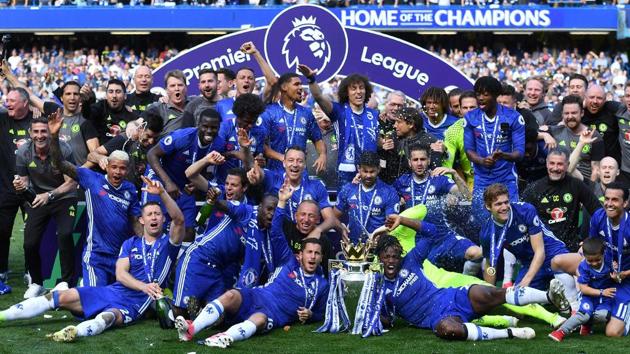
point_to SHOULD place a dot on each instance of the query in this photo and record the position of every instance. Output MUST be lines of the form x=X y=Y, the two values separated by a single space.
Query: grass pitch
x=146 y=336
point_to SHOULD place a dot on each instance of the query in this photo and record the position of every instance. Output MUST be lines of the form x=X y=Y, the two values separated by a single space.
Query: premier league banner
x=314 y=36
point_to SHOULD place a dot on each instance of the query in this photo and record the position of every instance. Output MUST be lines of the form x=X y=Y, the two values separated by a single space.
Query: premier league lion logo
x=308 y=35
x=306 y=44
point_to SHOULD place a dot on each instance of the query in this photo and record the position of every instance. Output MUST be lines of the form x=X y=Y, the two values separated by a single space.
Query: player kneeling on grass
x=447 y=311
x=597 y=287
x=141 y=270
x=296 y=291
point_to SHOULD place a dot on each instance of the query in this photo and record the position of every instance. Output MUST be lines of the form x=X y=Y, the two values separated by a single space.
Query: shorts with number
x=251 y=304
x=98 y=269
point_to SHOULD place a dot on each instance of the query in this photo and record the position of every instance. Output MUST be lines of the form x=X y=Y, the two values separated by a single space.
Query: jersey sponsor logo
x=410 y=280
x=103 y=193
x=168 y=140
x=557 y=215
x=519 y=240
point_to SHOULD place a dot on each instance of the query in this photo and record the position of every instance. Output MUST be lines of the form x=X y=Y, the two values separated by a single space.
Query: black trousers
x=37 y=220
x=9 y=205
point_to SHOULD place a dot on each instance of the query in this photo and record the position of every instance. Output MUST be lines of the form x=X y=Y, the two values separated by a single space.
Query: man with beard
x=55 y=197
x=446 y=311
x=14 y=127
x=172 y=113
x=291 y=123
x=535 y=91
x=558 y=199
x=366 y=204
x=209 y=96
x=145 y=136
x=577 y=87
x=604 y=116
x=142 y=97
x=611 y=224
x=357 y=123
x=494 y=139
x=174 y=154
x=110 y=116
x=569 y=133
x=113 y=209
x=454 y=107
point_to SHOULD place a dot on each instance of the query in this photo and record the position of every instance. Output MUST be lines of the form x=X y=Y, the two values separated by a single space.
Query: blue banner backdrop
x=314 y=36
x=184 y=18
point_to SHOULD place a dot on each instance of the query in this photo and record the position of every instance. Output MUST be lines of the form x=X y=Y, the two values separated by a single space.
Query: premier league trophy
x=356 y=288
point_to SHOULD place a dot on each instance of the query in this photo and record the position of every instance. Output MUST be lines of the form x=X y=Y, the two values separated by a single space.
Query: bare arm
x=270 y=76
x=272 y=154
x=324 y=103
x=153 y=157
x=125 y=278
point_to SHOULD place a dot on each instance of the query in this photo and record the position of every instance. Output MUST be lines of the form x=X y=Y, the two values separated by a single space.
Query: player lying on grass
x=445 y=279
x=597 y=287
x=447 y=311
x=141 y=271
x=296 y=291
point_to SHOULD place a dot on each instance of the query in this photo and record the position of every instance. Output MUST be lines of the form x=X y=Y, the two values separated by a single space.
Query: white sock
x=242 y=331
x=210 y=314
x=28 y=308
x=523 y=295
x=472 y=267
x=484 y=333
x=508 y=266
x=570 y=290
x=96 y=326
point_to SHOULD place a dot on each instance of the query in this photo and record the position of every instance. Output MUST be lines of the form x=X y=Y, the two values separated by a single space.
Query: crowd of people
x=448 y=196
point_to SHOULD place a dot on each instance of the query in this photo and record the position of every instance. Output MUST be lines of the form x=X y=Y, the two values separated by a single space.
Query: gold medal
x=491 y=271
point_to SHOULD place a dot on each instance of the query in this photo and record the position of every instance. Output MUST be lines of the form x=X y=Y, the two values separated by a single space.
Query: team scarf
x=337 y=319
x=367 y=320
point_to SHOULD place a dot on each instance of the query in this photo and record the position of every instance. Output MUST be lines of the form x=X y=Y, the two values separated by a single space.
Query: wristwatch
x=51 y=196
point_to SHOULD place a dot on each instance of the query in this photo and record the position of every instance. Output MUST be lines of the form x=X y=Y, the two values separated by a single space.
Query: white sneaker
x=522 y=332
x=557 y=297
x=34 y=290
x=219 y=340
x=60 y=287
x=184 y=328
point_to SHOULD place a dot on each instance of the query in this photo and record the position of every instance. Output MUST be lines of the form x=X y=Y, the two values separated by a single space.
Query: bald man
x=606 y=117
x=142 y=96
x=608 y=172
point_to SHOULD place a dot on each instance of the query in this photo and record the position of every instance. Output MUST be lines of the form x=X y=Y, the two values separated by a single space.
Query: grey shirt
x=590 y=152
x=43 y=177
x=173 y=118
x=329 y=176
x=198 y=105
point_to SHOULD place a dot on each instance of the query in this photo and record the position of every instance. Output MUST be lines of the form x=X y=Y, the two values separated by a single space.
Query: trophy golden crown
x=358 y=252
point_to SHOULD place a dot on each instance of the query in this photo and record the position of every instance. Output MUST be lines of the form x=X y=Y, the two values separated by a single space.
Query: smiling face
x=356 y=94
x=17 y=107
x=614 y=204
x=533 y=92
x=310 y=257
x=208 y=86
x=556 y=167
x=500 y=208
x=572 y=115
x=152 y=220
x=39 y=135
x=208 y=129
x=266 y=210
x=595 y=99
x=294 y=164
x=307 y=217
